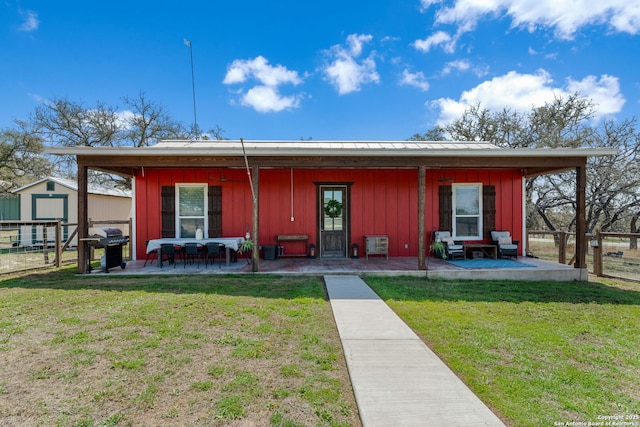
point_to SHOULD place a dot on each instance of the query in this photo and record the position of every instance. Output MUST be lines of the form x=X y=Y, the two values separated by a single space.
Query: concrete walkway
x=397 y=379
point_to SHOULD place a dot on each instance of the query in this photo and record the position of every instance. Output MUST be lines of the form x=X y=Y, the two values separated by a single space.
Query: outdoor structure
x=57 y=198
x=326 y=196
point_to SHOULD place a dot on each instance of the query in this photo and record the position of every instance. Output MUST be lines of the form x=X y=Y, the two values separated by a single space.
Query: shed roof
x=72 y=185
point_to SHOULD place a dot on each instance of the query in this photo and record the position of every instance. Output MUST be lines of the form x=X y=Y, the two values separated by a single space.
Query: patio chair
x=151 y=255
x=169 y=252
x=453 y=249
x=192 y=251
x=507 y=247
x=214 y=249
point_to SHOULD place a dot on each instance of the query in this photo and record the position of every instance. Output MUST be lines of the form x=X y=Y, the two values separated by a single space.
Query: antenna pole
x=193 y=91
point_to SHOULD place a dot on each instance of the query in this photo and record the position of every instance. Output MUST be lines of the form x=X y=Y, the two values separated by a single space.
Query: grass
x=263 y=350
x=171 y=350
x=536 y=353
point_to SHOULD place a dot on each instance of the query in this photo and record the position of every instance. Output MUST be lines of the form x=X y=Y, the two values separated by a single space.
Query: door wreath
x=333 y=209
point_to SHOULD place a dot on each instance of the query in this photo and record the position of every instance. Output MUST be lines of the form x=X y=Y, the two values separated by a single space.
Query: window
x=51 y=186
x=191 y=209
x=467 y=211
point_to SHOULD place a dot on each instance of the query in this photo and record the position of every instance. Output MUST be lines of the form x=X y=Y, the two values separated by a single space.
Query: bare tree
x=613 y=183
x=20 y=159
x=141 y=123
x=147 y=122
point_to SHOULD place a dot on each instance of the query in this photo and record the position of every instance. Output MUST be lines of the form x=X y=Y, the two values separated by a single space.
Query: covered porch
x=421 y=171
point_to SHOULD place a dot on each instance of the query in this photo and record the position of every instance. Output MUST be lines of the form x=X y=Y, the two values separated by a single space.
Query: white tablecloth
x=230 y=242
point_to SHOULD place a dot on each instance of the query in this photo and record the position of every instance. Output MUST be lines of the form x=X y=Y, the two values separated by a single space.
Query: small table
x=489 y=251
x=294 y=238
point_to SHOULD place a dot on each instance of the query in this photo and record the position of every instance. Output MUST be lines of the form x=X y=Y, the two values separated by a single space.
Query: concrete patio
x=405 y=266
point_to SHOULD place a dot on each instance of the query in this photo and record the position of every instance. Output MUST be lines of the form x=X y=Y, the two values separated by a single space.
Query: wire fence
x=608 y=254
x=32 y=245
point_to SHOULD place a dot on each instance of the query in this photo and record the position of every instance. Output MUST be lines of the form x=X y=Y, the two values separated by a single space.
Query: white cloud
x=460 y=65
x=265 y=95
x=439 y=38
x=31 y=21
x=345 y=72
x=605 y=92
x=521 y=92
x=564 y=17
x=259 y=68
x=267 y=99
x=355 y=42
x=414 y=79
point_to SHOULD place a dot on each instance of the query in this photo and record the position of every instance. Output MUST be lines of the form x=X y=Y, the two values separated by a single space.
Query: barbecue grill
x=112 y=240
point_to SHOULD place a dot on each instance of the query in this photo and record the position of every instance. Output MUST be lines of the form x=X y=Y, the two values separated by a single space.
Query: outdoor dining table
x=228 y=242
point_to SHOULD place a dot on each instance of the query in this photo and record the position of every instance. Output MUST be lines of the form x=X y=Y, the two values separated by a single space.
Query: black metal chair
x=214 y=249
x=193 y=251
x=150 y=255
x=170 y=252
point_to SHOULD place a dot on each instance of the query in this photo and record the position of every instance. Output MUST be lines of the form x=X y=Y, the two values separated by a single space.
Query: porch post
x=255 y=255
x=581 y=221
x=422 y=188
x=83 y=227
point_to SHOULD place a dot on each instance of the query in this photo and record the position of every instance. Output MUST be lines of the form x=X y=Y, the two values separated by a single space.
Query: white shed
x=57 y=198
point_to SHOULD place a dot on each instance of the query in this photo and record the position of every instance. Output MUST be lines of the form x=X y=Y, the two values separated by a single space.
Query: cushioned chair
x=454 y=250
x=507 y=247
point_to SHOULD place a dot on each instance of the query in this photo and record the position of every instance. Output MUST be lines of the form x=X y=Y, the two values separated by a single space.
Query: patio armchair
x=507 y=247
x=453 y=249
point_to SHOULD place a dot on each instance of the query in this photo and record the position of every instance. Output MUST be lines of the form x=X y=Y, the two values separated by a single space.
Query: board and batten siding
x=383 y=201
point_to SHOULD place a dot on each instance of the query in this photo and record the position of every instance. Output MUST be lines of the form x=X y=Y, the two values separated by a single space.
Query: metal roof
x=72 y=185
x=330 y=149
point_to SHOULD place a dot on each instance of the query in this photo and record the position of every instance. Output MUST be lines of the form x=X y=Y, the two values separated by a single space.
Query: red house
x=334 y=193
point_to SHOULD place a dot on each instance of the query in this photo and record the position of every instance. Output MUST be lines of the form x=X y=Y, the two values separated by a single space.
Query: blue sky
x=380 y=70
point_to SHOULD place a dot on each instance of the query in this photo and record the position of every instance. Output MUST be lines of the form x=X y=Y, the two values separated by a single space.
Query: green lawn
x=536 y=353
x=171 y=350
x=237 y=350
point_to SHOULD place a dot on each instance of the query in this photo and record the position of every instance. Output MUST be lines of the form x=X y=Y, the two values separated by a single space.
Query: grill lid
x=103 y=232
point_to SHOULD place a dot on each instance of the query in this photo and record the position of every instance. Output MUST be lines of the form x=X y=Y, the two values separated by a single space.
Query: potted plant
x=438 y=249
x=246 y=248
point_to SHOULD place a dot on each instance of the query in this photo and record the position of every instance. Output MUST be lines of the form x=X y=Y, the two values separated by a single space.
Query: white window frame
x=204 y=208
x=478 y=187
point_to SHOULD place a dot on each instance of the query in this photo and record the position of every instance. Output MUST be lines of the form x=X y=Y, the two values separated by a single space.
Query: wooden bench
x=294 y=238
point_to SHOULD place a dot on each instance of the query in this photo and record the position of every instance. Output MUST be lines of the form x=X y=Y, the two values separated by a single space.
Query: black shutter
x=168 y=211
x=215 y=211
x=446 y=210
x=488 y=210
